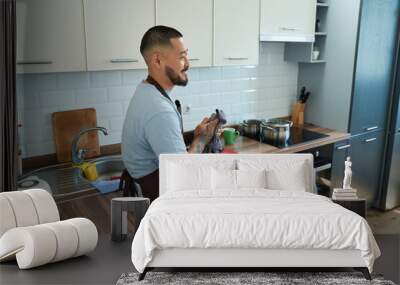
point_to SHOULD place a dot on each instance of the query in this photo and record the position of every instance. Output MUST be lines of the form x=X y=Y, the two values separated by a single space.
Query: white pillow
x=293 y=178
x=251 y=178
x=188 y=177
x=223 y=179
x=284 y=171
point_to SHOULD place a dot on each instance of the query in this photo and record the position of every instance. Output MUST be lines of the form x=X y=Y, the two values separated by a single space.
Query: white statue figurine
x=347 y=174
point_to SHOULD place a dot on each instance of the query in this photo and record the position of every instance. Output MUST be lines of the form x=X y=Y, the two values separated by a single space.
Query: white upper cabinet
x=287 y=20
x=114 y=30
x=194 y=21
x=236 y=31
x=50 y=36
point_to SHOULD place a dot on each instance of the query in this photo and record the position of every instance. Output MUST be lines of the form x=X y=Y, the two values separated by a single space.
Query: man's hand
x=206 y=129
x=203 y=134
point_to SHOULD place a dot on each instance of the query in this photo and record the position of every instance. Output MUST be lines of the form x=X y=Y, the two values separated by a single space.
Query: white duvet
x=252 y=218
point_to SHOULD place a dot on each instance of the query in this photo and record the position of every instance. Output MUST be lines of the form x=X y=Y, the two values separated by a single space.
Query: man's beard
x=174 y=77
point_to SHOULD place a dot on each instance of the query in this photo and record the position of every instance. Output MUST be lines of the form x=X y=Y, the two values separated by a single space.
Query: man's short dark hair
x=158 y=36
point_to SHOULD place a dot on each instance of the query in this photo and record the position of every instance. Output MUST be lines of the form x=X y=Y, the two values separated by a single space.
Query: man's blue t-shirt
x=152 y=126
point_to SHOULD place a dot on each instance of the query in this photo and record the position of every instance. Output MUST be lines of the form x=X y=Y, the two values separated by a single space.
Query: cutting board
x=67 y=124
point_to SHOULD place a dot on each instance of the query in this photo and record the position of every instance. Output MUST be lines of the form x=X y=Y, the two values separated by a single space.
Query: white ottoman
x=31 y=233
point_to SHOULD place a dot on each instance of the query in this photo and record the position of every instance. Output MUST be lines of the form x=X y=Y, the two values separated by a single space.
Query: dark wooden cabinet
x=366 y=154
x=358 y=206
x=376 y=51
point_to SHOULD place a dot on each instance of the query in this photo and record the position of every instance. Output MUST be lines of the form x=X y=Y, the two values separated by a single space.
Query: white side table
x=119 y=214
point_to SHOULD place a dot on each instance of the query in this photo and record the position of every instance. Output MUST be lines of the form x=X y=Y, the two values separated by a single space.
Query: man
x=153 y=124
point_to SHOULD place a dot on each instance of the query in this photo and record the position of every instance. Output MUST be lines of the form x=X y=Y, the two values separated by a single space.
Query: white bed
x=214 y=211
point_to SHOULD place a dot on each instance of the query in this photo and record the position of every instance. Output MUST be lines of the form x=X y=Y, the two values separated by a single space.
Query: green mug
x=230 y=135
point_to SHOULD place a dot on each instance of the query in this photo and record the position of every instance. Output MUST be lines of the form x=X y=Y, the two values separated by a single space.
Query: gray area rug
x=232 y=278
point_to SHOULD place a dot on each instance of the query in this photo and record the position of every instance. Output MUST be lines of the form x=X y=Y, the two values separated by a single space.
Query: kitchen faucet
x=78 y=155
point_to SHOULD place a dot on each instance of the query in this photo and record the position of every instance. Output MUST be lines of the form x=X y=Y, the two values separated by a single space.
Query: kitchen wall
x=264 y=91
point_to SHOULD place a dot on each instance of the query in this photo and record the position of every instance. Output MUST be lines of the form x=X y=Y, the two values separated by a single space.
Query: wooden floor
x=111 y=259
x=95 y=208
x=384 y=222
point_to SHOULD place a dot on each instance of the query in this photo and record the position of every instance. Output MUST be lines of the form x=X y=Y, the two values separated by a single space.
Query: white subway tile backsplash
x=41 y=148
x=230 y=72
x=241 y=84
x=20 y=92
x=133 y=77
x=105 y=123
x=121 y=93
x=190 y=125
x=74 y=107
x=105 y=78
x=209 y=73
x=116 y=124
x=197 y=114
x=231 y=97
x=125 y=106
x=212 y=100
x=227 y=108
x=199 y=87
x=37 y=135
x=264 y=91
x=57 y=98
x=250 y=95
x=111 y=138
x=248 y=71
x=108 y=110
x=72 y=80
x=220 y=85
x=91 y=96
x=38 y=118
x=193 y=74
x=31 y=99
x=41 y=82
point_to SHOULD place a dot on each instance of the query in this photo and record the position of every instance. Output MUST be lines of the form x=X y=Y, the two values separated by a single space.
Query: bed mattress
x=250 y=219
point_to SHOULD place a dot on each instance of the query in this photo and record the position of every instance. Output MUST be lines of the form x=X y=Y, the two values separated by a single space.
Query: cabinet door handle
x=371 y=128
x=237 y=58
x=194 y=59
x=288 y=29
x=370 y=140
x=123 y=60
x=35 y=62
x=343 y=146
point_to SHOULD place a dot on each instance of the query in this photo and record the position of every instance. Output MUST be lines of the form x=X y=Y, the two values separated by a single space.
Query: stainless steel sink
x=66 y=180
x=107 y=167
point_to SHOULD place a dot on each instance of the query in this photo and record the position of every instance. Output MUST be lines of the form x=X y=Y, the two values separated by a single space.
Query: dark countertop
x=247 y=145
x=242 y=145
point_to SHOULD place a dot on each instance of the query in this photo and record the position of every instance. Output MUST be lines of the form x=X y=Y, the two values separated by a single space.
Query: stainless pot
x=250 y=128
x=275 y=131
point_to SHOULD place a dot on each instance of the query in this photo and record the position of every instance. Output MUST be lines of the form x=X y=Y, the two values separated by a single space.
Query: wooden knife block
x=298 y=114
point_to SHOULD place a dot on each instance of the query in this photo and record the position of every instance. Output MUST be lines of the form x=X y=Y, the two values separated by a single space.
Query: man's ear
x=156 y=59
